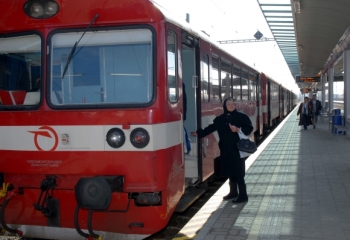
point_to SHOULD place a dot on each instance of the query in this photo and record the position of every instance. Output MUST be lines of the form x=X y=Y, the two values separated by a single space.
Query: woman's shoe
x=233 y=192
x=242 y=196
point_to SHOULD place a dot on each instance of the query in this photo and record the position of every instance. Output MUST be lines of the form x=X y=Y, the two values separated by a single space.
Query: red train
x=92 y=116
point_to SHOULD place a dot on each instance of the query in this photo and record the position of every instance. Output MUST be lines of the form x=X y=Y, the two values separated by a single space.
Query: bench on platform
x=343 y=129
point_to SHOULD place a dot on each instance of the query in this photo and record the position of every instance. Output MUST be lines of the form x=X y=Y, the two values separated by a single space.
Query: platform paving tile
x=298 y=187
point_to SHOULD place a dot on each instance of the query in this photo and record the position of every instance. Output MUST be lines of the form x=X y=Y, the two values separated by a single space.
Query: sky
x=236 y=20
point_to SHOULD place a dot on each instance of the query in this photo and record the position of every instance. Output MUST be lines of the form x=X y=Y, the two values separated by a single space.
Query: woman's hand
x=234 y=128
x=194 y=134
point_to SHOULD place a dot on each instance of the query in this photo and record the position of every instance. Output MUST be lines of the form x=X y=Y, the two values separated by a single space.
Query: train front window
x=107 y=67
x=20 y=70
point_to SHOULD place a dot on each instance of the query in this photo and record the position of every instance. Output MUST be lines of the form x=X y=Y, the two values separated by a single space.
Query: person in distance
x=303 y=111
x=316 y=108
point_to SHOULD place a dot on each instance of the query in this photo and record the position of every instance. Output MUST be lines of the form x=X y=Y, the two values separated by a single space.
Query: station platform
x=298 y=183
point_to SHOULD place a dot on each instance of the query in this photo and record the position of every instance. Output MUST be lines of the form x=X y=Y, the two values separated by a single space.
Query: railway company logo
x=47 y=132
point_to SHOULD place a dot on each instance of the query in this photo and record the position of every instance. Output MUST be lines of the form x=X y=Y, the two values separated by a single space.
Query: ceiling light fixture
x=297 y=6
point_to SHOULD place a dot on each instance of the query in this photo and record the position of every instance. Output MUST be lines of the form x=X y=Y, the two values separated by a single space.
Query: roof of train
x=170 y=17
x=143 y=10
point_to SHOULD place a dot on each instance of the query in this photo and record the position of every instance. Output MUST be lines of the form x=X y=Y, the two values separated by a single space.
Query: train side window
x=20 y=70
x=252 y=86
x=172 y=68
x=245 y=86
x=215 y=80
x=225 y=79
x=205 y=78
x=236 y=82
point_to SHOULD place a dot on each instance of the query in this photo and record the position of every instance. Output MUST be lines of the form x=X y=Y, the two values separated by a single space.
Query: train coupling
x=96 y=193
x=45 y=201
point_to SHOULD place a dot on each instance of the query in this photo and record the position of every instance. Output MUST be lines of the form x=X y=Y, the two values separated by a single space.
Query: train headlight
x=139 y=138
x=51 y=8
x=40 y=8
x=115 y=138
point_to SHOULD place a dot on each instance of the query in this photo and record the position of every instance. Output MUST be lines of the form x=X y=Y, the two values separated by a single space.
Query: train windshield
x=107 y=67
x=20 y=70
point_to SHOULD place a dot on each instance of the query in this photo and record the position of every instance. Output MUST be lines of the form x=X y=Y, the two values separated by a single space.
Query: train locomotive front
x=89 y=145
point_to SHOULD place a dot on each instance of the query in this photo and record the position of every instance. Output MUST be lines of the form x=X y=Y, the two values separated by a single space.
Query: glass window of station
x=105 y=67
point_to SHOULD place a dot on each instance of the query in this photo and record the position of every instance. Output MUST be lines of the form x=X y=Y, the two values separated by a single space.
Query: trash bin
x=336 y=120
x=336 y=112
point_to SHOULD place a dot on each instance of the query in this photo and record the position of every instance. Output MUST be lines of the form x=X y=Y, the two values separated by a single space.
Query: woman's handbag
x=245 y=145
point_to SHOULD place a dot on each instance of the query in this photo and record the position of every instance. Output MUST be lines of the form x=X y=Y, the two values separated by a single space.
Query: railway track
x=179 y=220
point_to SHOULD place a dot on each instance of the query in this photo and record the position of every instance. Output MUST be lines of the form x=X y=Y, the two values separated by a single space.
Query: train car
x=96 y=99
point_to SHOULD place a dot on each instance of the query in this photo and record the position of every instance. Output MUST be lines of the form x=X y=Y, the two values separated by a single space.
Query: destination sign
x=302 y=78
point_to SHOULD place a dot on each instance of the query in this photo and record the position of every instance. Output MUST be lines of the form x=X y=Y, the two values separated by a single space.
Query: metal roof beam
x=274 y=5
x=277 y=11
x=270 y=16
x=278 y=21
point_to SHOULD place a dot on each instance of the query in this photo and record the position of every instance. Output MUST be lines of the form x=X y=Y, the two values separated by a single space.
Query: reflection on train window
x=172 y=68
x=205 y=78
x=20 y=70
x=114 y=66
x=252 y=86
x=236 y=83
x=245 y=86
x=225 y=79
x=274 y=91
x=215 y=80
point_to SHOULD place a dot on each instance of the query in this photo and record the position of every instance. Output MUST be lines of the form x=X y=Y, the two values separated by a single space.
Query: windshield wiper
x=71 y=54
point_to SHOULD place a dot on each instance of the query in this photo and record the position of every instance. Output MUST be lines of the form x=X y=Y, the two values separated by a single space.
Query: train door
x=281 y=100
x=268 y=104
x=259 y=104
x=190 y=79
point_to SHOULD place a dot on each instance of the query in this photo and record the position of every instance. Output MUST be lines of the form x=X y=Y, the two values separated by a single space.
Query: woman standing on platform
x=304 y=111
x=232 y=165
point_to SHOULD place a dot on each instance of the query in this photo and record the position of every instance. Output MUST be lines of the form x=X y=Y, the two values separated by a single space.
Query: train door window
x=245 y=86
x=215 y=80
x=252 y=86
x=236 y=82
x=20 y=70
x=172 y=68
x=259 y=83
x=225 y=79
x=274 y=91
x=205 y=78
x=106 y=67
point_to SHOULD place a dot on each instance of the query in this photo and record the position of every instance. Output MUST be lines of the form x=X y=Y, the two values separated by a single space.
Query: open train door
x=268 y=104
x=190 y=58
x=259 y=104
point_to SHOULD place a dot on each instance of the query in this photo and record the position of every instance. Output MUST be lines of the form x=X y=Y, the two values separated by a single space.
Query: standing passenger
x=316 y=109
x=304 y=113
x=232 y=165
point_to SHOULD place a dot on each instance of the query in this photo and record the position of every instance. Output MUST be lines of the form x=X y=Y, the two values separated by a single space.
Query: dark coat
x=231 y=165
x=318 y=107
x=308 y=118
